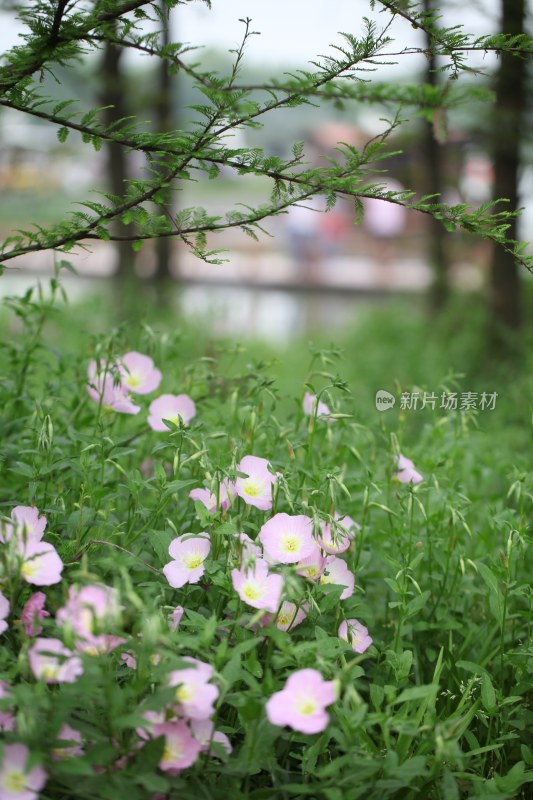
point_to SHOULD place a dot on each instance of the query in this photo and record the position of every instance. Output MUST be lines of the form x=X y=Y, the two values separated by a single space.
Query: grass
x=439 y=707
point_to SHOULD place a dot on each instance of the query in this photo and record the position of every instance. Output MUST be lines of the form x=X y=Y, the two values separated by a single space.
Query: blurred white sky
x=295 y=31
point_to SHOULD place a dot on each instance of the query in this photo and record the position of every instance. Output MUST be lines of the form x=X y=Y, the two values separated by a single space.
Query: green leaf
x=256 y=750
x=448 y=786
x=495 y=597
x=488 y=695
x=417 y=693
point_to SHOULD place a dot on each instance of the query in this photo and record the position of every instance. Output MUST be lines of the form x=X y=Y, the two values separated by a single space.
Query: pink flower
x=302 y=702
x=195 y=695
x=101 y=644
x=16 y=781
x=128 y=657
x=7 y=719
x=322 y=410
x=70 y=745
x=205 y=734
x=313 y=566
x=334 y=539
x=407 y=473
x=38 y=561
x=288 y=539
x=138 y=373
x=25 y=523
x=181 y=749
x=337 y=572
x=102 y=389
x=189 y=553
x=53 y=662
x=88 y=610
x=256 y=489
x=32 y=614
x=226 y=494
x=4 y=611
x=257 y=587
x=151 y=719
x=40 y=564
x=359 y=638
x=289 y=616
x=171 y=407
x=174 y=618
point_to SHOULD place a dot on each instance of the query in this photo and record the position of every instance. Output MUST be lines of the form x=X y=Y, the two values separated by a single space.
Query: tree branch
x=39 y=52
x=56 y=24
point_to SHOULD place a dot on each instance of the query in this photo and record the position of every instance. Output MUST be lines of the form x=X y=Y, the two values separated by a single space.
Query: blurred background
x=317 y=273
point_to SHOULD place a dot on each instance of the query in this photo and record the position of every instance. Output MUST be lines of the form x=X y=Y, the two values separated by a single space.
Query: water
x=260 y=292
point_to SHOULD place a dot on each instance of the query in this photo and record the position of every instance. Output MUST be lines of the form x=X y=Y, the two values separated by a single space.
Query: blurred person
x=335 y=226
x=313 y=235
x=305 y=238
x=475 y=186
x=476 y=179
x=385 y=223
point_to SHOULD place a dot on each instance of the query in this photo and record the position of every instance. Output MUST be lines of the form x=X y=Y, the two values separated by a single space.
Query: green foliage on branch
x=62 y=34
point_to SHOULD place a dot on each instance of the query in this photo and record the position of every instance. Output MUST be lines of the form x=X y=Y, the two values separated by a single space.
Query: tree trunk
x=112 y=95
x=435 y=170
x=164 y=123
x=507 y=126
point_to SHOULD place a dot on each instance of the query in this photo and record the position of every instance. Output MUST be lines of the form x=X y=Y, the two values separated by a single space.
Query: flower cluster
x=254 y=485
x=110 y=383
x=89 y=609
x=279 y=570
x=186 y=722
x=284 y=541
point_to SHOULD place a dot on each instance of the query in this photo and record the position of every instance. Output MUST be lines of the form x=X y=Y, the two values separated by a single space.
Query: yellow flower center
x=251 y=488
x=284 y=619
x=184 y=693
x=311 y=572
x=86 y=618
x=15 y=782
x=306 y=705
x=193 y=561
x=50 y=671
x=133 y=380
x=291 y=544
x=172 y=752
x=29 y=568
x=251 y=591
x=325 y=579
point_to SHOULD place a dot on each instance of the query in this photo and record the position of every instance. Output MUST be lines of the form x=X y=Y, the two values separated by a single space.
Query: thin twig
x=118 y=547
